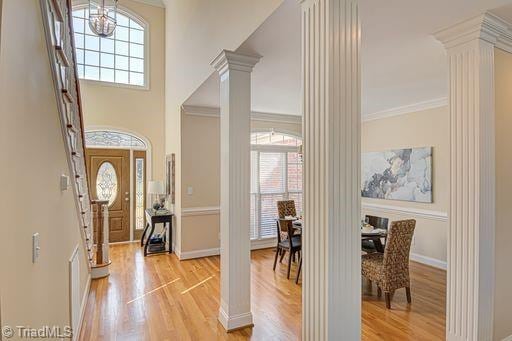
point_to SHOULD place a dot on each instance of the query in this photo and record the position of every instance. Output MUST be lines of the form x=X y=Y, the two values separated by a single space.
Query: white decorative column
x=331 y=286
x=470 y=283
x=235 y=258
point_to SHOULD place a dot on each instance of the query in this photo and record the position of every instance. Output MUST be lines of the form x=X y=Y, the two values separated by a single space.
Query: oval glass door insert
x=106 y=183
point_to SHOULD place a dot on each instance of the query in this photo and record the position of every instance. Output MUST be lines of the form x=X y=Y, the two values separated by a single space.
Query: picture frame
x=170 y=175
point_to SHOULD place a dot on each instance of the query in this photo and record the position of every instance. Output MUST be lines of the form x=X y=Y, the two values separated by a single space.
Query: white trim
x=198 y=253
x=487 y=26
x=198 y=211
x=83 y=306
x=420 y=213
x=256 y=244
x=471 y=236
x=155 y=3
x=508 y=338
x=406 y=109
x=205 y=111
x=436 y=263
x=235 y=321
x=125 y=242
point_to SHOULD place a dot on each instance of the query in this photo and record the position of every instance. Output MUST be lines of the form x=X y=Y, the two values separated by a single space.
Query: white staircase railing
x=57 y=20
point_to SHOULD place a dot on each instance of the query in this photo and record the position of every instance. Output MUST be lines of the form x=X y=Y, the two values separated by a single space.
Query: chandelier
x=103 y=17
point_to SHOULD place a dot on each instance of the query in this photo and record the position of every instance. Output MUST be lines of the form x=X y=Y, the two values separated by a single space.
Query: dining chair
x=286 y=241
x=390 y=270
x=379 y=223
x=286 y=208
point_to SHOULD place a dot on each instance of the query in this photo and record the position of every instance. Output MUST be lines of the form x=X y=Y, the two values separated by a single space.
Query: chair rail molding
x=198 y=211
x=407 y=211
x=471 y=237
x=331 y=102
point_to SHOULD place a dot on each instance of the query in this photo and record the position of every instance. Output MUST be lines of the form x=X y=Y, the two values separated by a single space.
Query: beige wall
x=196 y=32
x=33 y=160
x=503 y=281
x=201 y=171
x=421 y=129
x=134 y=110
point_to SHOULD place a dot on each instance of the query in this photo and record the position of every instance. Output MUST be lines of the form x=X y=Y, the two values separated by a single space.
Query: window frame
x=139 y=20
x=271 y=148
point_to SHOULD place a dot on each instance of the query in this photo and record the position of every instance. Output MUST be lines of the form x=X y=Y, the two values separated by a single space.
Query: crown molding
x=155 y=3
x=255 y=115
x=407 y=109
x=487 y=26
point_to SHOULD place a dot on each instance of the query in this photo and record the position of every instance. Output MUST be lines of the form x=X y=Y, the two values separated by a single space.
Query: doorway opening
x=118 y=169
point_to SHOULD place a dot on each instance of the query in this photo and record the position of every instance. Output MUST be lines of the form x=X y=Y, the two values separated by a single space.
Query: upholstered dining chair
x=286 y=208
x=390 y=271
x=286 y=241
x=378 y=223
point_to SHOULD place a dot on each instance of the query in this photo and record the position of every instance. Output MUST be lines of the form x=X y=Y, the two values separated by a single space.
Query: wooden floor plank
x=160 y=298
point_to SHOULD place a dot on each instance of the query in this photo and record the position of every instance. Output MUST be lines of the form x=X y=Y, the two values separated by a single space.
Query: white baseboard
x=436 y=263
x=255 y=245
x=198 y=253
x=236 y=321
x=76 y=333
x=508 y=338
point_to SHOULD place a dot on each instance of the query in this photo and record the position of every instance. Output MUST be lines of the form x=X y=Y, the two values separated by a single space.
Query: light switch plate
x=190 y=190
x=36 y=249
x=64 y=182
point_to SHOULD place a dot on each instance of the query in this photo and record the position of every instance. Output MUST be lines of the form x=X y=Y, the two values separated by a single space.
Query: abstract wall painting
x=399 y=174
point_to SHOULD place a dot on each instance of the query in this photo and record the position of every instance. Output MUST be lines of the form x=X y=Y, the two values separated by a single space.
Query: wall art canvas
x=400 y=174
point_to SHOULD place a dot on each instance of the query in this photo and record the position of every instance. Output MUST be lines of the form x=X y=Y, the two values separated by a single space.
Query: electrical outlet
x=190 y=190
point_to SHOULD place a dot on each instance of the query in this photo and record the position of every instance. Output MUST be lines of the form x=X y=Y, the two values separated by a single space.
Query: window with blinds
x=276 y=174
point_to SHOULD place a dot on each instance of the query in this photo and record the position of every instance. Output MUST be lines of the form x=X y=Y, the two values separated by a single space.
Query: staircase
x=57 y=19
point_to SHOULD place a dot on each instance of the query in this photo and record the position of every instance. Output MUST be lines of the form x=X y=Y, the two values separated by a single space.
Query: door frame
x=148 y=169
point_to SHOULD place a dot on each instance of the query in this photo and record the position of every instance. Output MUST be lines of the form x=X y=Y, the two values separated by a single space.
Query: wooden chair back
x=398 y=246
x=286 y=208
x=377 y=222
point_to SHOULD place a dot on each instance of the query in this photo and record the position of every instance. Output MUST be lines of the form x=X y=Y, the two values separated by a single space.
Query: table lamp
x=156 y=188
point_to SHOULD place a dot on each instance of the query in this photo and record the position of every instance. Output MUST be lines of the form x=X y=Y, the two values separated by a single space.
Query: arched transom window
x=116 y=59
x=104 y=138
x=276 y=174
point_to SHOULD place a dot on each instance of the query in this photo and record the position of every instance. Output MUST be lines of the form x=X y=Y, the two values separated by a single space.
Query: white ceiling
x=402 y=63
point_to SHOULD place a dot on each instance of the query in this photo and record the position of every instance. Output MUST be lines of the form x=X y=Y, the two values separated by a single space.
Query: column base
x=232 y=323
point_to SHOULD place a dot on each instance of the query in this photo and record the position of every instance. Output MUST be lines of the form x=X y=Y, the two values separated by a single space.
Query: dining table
x=375 y=236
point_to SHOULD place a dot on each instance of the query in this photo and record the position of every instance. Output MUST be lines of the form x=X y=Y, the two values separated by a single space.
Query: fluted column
x=470 y=281
x=235 y=259
x=331 y=37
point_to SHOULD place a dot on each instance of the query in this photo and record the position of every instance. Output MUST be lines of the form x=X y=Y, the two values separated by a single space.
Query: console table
x=153 y=218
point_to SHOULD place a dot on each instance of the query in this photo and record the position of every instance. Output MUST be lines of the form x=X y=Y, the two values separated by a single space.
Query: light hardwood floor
x=161 y=298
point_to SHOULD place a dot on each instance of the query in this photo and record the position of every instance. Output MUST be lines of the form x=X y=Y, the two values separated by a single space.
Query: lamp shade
x=156 y=187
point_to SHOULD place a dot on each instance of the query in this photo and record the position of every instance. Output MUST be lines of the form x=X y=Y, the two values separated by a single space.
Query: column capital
x=487 y=27
x=229 y=60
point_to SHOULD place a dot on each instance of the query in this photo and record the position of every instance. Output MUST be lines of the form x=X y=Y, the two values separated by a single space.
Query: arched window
x=116 y=59
x=105 y=138
x=276 y=174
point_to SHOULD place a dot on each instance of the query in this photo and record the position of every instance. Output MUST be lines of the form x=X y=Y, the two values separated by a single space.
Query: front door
x=109 y=178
